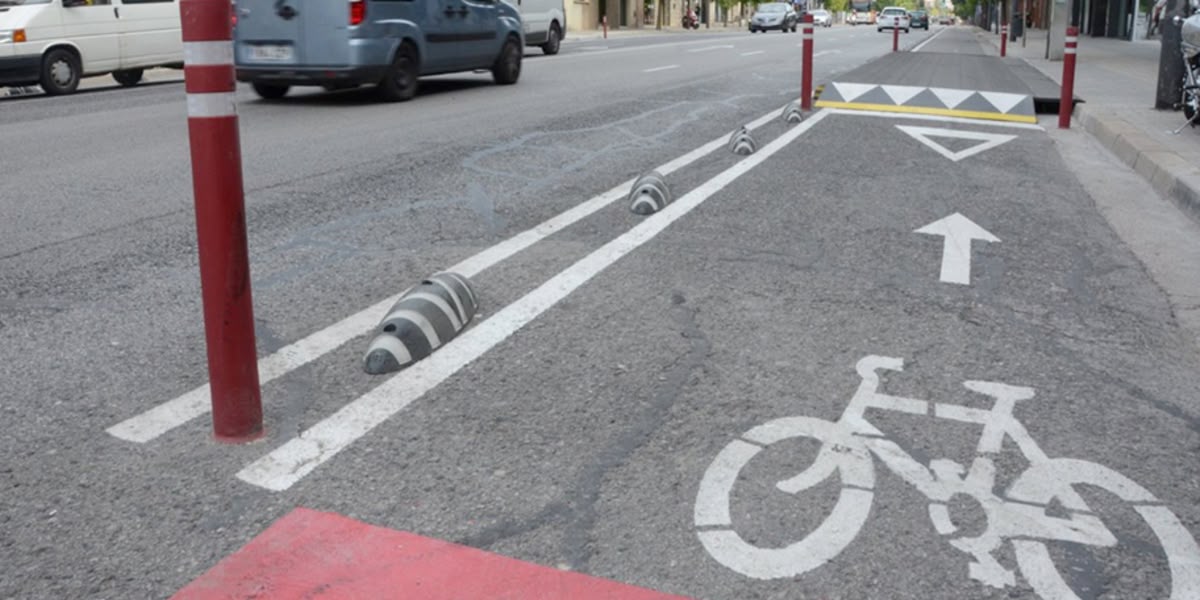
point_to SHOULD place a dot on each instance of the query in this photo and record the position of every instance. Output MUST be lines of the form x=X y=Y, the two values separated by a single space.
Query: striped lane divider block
x=425 y=318
x=650 y=194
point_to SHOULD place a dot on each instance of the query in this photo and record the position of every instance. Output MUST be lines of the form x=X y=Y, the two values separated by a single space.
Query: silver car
x=821 y=18
x=773 y=15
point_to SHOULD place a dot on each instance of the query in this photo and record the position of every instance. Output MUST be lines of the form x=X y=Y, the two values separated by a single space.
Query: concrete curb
x=1169 y=173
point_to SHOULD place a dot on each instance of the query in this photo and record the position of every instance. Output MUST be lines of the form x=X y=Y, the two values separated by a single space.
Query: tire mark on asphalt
x=578 y=514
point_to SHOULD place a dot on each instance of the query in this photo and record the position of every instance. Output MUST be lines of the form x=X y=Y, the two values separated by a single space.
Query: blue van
x=340 y=44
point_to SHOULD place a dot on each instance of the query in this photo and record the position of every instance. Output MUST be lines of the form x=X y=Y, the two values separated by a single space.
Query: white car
x=55 y=43
x=892 y=17
x=821 y=18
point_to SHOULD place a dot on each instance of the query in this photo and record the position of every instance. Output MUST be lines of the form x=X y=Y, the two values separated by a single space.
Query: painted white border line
x=299 y=456
x=153 y=423
x=657 y=69
x=940 y=118
x=918 y=47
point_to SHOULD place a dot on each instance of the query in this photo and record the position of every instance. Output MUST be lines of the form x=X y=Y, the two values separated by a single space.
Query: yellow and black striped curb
x=970 y=104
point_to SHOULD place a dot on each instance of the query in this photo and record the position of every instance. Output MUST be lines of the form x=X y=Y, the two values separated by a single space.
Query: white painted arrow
x=956 y=250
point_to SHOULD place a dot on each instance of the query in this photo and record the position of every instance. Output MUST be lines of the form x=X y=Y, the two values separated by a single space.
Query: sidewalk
x=1116 y=80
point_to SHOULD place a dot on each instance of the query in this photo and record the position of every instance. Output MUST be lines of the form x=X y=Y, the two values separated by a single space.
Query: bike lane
x=605 y=436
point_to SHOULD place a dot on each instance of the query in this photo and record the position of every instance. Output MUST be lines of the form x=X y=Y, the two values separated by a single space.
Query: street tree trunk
x=1170 y=61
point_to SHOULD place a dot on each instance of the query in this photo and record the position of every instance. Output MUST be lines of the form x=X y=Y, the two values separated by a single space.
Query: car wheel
x=270 y=91
x=906 y=30
x=128 y=77
x=60 y=72
x=552 y=41
x=400 y=82
x=507 y=69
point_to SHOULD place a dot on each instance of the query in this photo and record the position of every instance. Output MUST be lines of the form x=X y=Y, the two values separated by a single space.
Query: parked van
x=386 y=43
x=545 y=23
x=55 y=43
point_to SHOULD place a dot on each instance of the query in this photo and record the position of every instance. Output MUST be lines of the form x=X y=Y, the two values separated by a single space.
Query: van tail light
x=358 y=11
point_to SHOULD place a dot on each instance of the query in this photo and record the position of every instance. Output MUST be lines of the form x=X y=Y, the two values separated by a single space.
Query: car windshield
x=20 y=2
x=917 y=13
x=772 y=8
x=820 y=12
x=894 y=11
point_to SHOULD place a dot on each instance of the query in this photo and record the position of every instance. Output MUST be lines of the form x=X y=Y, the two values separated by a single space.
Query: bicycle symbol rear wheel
x=840 y=452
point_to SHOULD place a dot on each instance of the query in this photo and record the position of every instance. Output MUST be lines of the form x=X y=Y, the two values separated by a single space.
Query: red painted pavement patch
x=311 y=554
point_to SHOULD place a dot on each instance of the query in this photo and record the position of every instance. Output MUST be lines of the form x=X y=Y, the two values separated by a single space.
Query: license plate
x=270 y=52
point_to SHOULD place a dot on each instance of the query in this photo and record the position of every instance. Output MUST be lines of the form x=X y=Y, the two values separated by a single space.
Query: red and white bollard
x=895 y=34
x=604 y=22
x=1066 y=102
x=220 y=219
x=806 y=63
x=1003 y=40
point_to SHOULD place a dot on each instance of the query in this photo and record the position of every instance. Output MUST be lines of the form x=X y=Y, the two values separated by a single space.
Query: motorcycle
x=690 y=21
x=1189 y=45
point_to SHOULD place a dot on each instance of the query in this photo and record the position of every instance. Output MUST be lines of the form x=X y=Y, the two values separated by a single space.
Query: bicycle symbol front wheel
x=840 y=452
x=1055 y=478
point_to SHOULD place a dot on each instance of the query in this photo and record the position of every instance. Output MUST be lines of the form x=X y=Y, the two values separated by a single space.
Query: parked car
x=544 y=23
x=284 y=43
x=947 y=20
x=822 y=18
x=861 y=18
x=773 y=15
x=892 y=17
x=56 y=43
x=918 y=19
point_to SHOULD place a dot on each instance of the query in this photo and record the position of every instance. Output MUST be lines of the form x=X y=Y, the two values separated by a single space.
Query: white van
x=544 y=22
x=54 y=43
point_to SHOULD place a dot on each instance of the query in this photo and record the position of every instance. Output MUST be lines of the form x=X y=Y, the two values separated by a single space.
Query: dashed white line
x=657 y=69
x=709 y=48
x=753 y=53
x=291 y=462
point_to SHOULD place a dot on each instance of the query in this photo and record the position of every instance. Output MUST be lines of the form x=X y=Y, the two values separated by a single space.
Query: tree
x=726 y=6
x=837 y=6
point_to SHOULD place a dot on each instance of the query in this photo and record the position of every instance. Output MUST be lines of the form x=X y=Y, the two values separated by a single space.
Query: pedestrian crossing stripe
x=971 y=104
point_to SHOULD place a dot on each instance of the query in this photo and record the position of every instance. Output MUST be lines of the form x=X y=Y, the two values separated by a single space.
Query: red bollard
x=220 y=219
x=1066 y=102
x=895 y=34
x=806 y=64
x=604 y=21
x=1003 y=40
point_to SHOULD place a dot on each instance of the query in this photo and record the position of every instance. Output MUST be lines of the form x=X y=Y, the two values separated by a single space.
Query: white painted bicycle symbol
x=1019 y=517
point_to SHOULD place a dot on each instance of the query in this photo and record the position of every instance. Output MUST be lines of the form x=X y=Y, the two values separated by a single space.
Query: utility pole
x=1170 y=61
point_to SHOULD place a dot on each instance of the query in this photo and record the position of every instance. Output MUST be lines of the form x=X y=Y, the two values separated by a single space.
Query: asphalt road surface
x=982 y=387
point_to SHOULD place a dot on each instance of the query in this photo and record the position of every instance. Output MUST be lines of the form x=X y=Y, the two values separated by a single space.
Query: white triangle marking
x=850 y=91
x=902 y=93
x=923 y=135
x=1002 y=101
x=951 y=98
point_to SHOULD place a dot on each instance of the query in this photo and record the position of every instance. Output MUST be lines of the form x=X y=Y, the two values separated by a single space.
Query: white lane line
x=753 y=53
x=918 y=47
x=173 y=413
x=657 y=69
x=709 y=48
x=825 y=52
x=939 y=118
x=593 y=48
x=291 y=462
